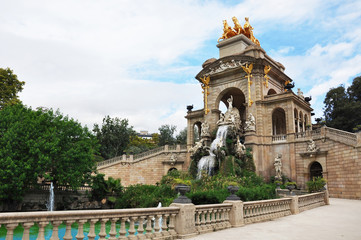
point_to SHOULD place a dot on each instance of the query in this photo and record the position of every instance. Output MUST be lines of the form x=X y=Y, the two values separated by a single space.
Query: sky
x=137 y=59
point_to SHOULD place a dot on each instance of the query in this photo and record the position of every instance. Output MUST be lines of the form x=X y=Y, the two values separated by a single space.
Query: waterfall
x=207 y=163
x=50 y=204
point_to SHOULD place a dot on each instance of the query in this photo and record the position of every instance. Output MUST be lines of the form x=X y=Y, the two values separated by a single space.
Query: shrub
x=266 y=191
x=316 y=184
x=208 y=197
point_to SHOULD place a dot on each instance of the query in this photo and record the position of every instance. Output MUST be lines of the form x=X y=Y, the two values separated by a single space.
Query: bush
x=266 y=191
x=316 y=184
x=144 y=196
x=208 y=197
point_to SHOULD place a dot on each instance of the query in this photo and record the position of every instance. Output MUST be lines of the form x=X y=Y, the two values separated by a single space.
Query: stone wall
x=149 y=168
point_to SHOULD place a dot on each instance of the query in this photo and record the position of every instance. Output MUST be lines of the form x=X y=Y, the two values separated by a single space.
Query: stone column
x=326 y=198
x=236 y=214
x=184 y=221
x=294 y=205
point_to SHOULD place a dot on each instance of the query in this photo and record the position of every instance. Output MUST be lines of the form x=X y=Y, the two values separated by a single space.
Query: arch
x=172 y=169
x=315 y=170
x=271 y=92
x=239 y=100
x=278 y=121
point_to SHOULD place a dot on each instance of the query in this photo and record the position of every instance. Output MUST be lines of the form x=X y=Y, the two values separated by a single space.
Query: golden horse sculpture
x=247 y=30
x=227 y=31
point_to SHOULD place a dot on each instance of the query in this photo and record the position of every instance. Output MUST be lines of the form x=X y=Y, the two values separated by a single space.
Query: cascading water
x=50 y=204
x=207 y=163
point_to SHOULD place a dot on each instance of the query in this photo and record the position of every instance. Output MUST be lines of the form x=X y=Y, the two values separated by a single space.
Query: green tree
x=182 y=137
x=9 y=87
x=42 y=145
x=114 y=136
x=343 y=108
x=166 y=135
x=138 y=145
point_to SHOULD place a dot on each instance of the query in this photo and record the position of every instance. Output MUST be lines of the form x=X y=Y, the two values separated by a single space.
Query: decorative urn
x=182 y=189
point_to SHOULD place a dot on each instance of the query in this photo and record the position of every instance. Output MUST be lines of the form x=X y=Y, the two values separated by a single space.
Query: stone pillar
x=236 y=214
x=294 y=205
x=326 y=198
x=184 y=221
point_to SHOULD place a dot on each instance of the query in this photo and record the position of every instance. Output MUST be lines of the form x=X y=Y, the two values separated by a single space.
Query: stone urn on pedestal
x=232 y=190
x=182 y=189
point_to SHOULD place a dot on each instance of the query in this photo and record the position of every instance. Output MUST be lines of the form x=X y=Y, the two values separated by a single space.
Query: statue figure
x=300 y=93
x=227 y=31
x=196 y=147
x=230 y=103
x=278 y=167
x=240 y=148
x=205 y=129
x=250 y=123
x=237 y=27
x=248 y=31
x=311 y=146
x=173 y=159
x=221 y=119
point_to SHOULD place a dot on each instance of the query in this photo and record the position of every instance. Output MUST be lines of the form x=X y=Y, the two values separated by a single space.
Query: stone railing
x=279 y=138
x=176 y=221
x=300 y=135
x=339 y=135
x=258 y=211
x=212 y=217
x=309 y=201
x=141 y=156
x=147 y=221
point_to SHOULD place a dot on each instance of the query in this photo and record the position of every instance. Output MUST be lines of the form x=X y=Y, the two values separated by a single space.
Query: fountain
x=50 y=204
x=208 y=158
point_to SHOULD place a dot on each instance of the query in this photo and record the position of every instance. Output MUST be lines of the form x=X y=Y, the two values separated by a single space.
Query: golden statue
x=248 y=32
x=267 y=68
x=248 y=69
x=227 y=31
x=237 y=27
x=205 y=86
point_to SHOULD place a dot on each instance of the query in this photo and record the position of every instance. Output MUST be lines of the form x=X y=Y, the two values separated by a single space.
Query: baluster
x=156 y=226
x=55 y=234
x=91 y=234
x=41 y=234
x=216 y=219
x=208 y=221
x=122 y=231
x=213 y=218
x=103 y=233
x=197 y=222
x=10 y=230
x=149 y=227
x=113 y=230
x=27 y=226
x=164 y=225
x=141 y=228
x=80 y=234
x=131 y=229
x=222 y=217
x=228 y=224
x=67 y=235
x=171 y=224
x=203 y=220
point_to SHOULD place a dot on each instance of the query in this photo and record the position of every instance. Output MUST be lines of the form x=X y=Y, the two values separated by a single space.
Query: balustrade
x=155 y=219
x=279 y=138
x=309 y=201
x=212 y=217
x=257 y=211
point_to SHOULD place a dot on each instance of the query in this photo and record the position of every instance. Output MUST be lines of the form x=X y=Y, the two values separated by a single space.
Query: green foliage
x=10 y=86
x=43 y=145
x=316 y=184
x=208 y=196
x=108 y=189
x=262 y=192
x=166 y=135
x=182 y=137
x=114 y=136
x=143 y=196
x=139 y=145
x=341 y=106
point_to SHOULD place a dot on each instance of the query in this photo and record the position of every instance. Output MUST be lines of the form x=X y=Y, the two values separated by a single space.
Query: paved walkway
x=339 y=220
